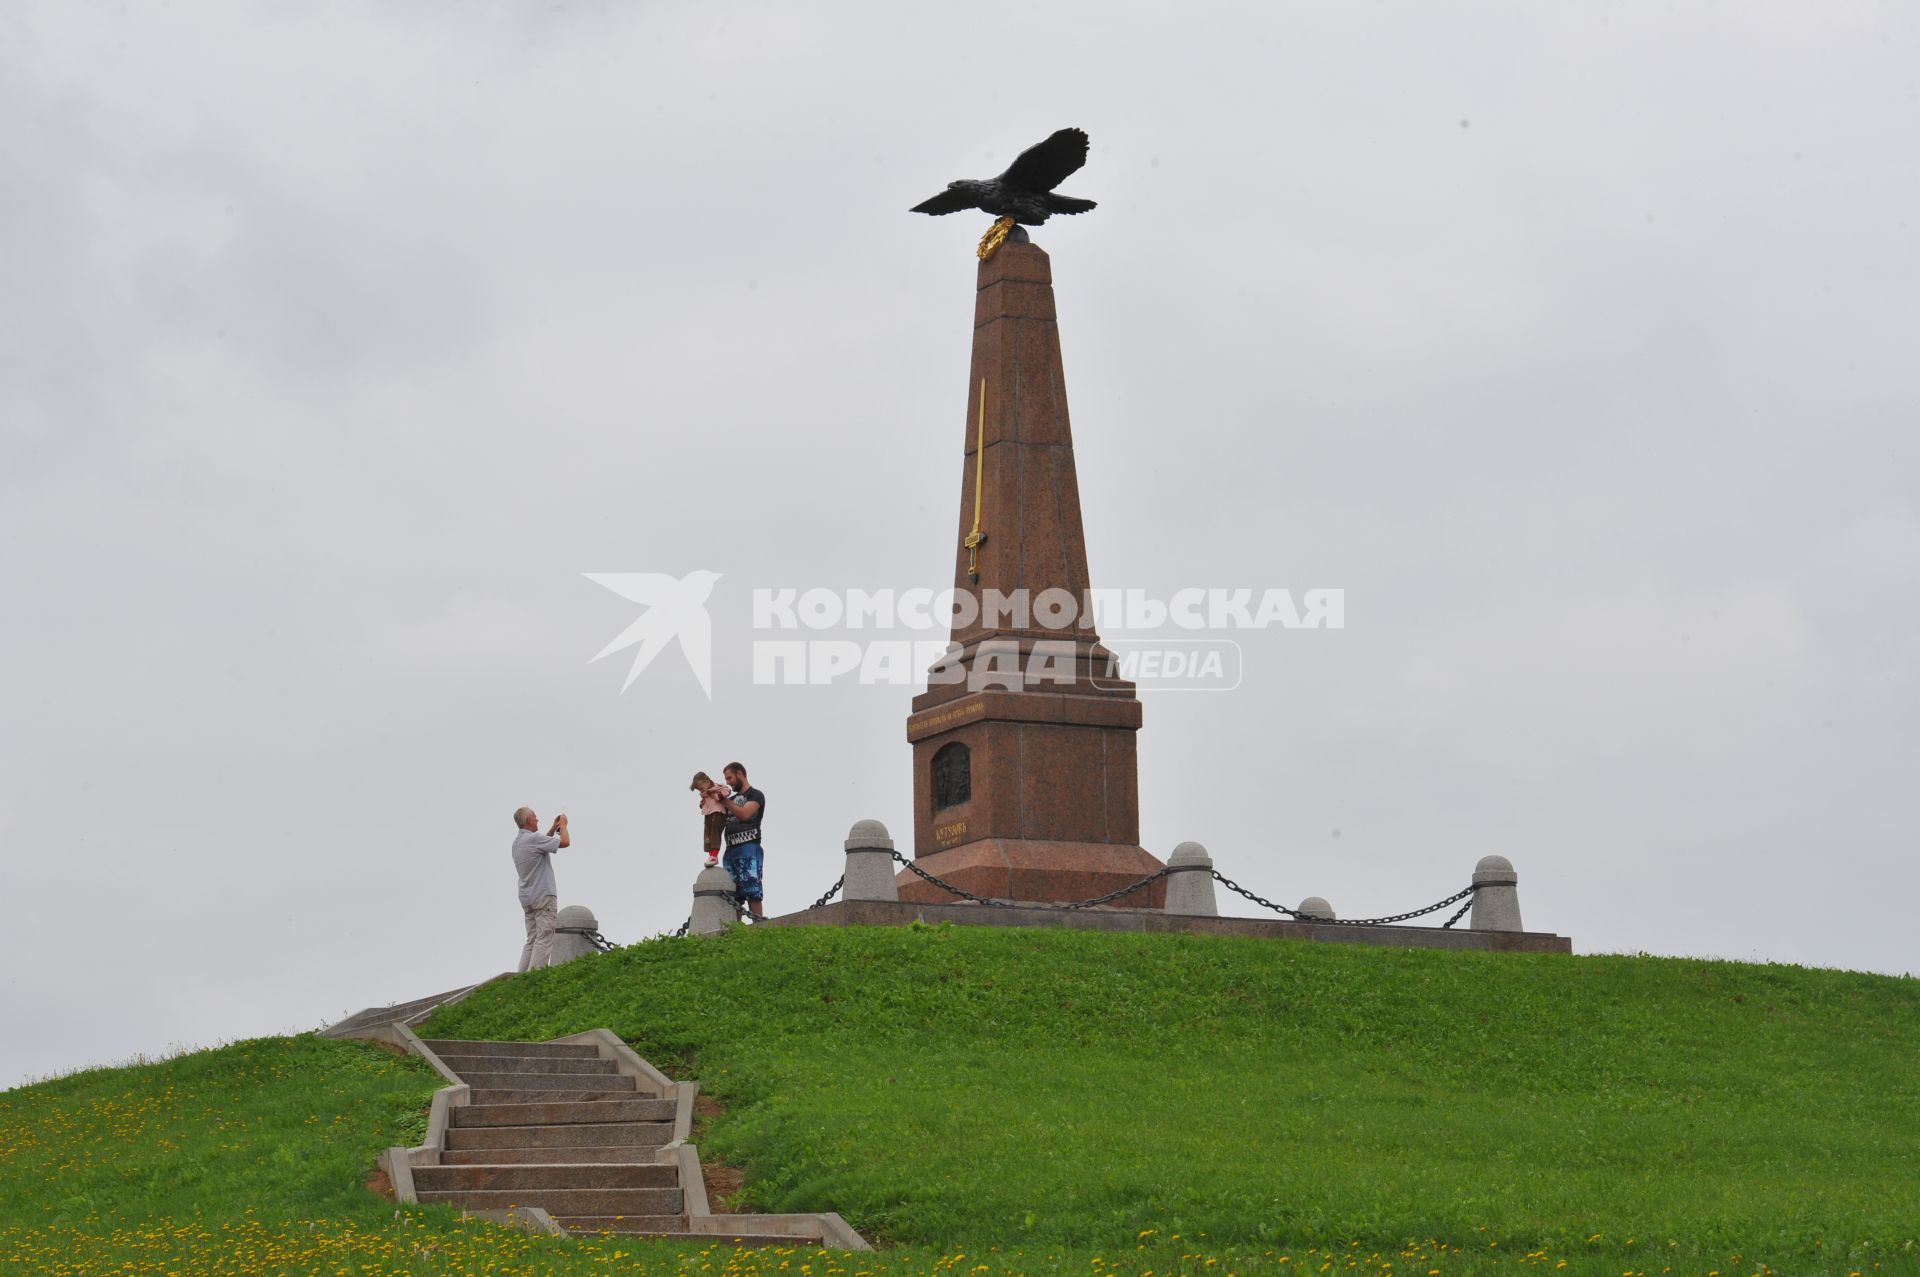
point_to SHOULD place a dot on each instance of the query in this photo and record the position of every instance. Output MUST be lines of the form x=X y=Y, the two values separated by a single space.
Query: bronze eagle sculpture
x=1024 y=193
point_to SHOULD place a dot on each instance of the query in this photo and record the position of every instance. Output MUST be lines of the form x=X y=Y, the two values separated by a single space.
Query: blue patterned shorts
x=743 y=862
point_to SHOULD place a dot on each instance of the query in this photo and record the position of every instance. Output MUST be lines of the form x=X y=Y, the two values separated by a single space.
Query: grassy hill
x=992 y=1101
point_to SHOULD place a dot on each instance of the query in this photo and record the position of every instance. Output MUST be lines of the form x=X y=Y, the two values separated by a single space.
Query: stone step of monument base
x=608 y=1081
x=555 y=1114
x=545 y=1176
x=443 y=1047
x=569 y=1135
x=555 y=1126
x=563 y=1201
x=542 y=1095
x=551 y=1155
x=673 y=1228
x=568 y=1064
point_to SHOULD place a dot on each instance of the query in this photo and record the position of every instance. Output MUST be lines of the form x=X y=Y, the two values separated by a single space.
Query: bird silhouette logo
x=676 y=608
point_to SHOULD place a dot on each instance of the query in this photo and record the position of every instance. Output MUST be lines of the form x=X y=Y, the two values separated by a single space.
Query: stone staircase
x=558 y=1126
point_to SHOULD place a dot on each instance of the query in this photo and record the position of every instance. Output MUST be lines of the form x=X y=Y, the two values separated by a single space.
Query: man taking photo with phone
x=539 y=898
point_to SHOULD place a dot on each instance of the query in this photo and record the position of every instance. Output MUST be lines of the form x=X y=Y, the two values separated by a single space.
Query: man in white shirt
x=539 y=898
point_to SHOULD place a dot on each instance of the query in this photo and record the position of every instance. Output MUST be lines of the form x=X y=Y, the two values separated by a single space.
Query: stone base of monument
x=1022 y=869
x=888 y=913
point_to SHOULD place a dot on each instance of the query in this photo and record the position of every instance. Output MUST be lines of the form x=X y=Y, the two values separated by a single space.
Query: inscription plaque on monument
x=952 y=776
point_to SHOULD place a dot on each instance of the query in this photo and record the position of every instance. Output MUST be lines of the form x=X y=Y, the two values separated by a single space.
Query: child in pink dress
x=716 y=816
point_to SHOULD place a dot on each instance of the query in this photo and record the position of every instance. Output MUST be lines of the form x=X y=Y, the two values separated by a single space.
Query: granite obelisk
x=1025 y=782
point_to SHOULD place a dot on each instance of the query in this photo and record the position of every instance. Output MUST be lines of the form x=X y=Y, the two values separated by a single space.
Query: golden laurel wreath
x=996 y=236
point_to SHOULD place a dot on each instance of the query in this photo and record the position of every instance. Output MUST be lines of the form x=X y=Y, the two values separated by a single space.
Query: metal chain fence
x=740 y=909
x=593 y=937
x=829 y=893
x=1464 y=893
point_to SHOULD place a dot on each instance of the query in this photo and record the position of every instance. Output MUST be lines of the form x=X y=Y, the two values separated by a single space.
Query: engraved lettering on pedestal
x=926 y=725
x=952 y=776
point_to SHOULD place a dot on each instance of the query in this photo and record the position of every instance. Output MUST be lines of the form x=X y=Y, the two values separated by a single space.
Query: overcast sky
x=1576 y=344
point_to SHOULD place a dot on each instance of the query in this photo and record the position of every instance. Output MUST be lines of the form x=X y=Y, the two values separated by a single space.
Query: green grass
x=282 y=1126
x=996 y=1102
x=967 y=1086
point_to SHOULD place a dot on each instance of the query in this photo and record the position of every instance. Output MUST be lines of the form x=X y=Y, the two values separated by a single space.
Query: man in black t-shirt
x=744 y=859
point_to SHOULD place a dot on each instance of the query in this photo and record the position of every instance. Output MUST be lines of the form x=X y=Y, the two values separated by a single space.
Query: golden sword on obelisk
x=977 y=538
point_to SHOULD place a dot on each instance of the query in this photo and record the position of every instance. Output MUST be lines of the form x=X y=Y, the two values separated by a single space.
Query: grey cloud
x=340 y=344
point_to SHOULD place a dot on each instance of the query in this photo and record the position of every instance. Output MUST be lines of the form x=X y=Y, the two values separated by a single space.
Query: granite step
x=567 y=1064
x=545 y=1095
x=673 y=1228
x=443 y=1047
x=565 y=1201
x=651 y=1224
x=550 y=1155
x=553 y=1113
x=542 y=1178
x=607 y=1081
x=609 y=1134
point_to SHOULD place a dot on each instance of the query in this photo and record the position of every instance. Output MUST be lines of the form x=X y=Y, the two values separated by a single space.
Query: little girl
x=716 y=815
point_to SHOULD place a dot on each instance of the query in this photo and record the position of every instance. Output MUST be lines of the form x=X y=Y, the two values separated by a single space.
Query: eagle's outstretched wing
x=1045 y=165
x=943 y=203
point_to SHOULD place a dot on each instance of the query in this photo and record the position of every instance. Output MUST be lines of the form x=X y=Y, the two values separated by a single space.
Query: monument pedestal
x=1025 y=780
x=1027 y=871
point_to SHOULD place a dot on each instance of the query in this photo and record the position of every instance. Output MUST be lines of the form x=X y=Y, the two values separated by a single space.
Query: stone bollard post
x=570 y=934
x=1316 y=907
x=869 y=864
x=1190 y=881
x=713 y=912
x=1496 y=900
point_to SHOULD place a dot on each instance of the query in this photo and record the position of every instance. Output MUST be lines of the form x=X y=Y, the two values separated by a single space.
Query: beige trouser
x=541 y=919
